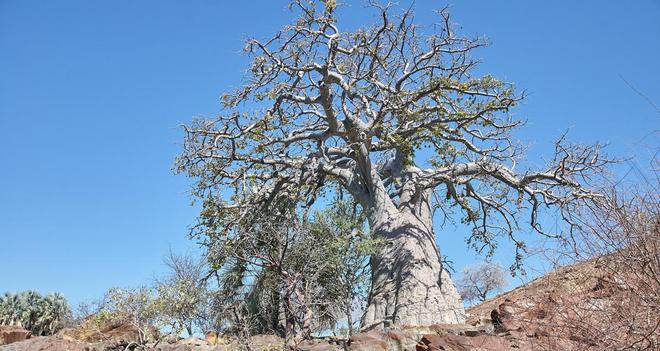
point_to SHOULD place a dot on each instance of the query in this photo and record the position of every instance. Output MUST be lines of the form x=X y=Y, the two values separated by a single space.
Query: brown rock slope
x=111 y=338
x=579 y=307
x=11 y=334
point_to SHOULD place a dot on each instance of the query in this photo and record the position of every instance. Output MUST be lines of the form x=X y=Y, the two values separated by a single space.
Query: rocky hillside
x=579 y=307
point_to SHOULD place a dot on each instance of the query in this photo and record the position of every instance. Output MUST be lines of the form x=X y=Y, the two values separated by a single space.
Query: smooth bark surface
x=409 y=284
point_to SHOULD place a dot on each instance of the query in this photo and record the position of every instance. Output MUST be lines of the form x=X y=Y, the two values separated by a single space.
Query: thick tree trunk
x=409 y=284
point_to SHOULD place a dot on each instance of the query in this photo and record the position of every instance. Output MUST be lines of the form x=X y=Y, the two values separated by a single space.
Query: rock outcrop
x=569 y=309
x=12 y=334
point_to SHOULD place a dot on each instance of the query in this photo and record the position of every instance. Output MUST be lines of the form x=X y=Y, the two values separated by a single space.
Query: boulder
x=194 y=342
x=371 y=341
x=400 y=340
x=456 y=329
x=213 y=337
x=319 y=345
x=451 y=342
x=92 y=333
x=267 y=343
x=52 y=343
x=392 y=340
x=11 y=334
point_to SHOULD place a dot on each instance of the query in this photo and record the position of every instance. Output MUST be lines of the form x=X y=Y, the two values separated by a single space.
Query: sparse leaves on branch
x=182 y=295
x=323 y=106
x=397 y=116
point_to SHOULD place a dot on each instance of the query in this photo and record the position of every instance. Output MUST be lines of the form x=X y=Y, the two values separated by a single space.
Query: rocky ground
x=569 y=309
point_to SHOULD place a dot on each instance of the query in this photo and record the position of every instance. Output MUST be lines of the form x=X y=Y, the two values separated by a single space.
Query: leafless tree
x=85 y=309
x=480 y=280
x=324 y=107
x=605 y=295
x=620 y=233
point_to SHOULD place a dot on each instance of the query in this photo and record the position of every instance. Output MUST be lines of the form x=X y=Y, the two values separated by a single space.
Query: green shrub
x=42 y=315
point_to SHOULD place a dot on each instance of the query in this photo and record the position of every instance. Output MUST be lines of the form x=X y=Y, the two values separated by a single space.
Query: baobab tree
x=396 y=117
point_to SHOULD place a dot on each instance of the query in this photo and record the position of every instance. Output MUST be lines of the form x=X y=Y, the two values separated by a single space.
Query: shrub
x=42 y=315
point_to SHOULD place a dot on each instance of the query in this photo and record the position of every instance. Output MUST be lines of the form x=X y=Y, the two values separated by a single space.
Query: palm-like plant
x=34 y=312
x=31 y=308
x=56 y=311
x=10 y=308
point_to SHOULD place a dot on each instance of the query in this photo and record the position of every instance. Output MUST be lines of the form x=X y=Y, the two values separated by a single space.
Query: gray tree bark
x=409 y=284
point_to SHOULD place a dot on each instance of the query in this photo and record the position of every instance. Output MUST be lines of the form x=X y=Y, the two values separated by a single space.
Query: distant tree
x=150 y=310
x=134 y=306
x=182 y=292
x=85 y=309
x=323 y=107
x=42 y=315
x=481 y=280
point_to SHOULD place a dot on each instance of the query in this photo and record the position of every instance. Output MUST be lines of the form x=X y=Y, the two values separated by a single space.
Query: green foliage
x=135 y=306
x=176 y=301
x=137 y=303
x=341 y=248
x=330 y=5
x=181 y=294
x=42 y=315
x=282 y=263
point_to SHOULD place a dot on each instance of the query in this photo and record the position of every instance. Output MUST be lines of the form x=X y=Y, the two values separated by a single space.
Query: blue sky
x=92 y=92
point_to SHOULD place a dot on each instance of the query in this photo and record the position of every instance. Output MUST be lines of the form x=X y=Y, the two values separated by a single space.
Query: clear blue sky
x=91 y=93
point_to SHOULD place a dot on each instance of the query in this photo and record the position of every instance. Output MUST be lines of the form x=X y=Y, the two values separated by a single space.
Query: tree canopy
x=398 y=116
x=282 y=274
x=324 y=106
